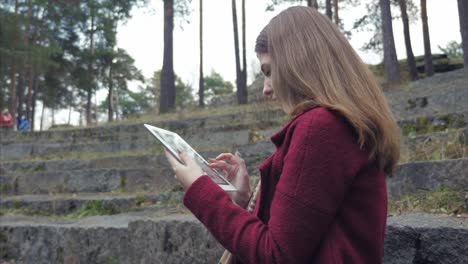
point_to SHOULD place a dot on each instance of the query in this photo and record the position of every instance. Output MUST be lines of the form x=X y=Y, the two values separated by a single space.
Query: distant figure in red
x=6 y=120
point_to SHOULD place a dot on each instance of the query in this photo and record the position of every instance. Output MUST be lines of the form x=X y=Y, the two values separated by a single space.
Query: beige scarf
x=226 y=258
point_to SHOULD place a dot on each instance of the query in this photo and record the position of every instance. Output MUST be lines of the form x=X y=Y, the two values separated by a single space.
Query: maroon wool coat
x=321 y=200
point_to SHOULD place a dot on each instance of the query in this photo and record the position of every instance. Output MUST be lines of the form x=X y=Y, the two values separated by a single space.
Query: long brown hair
x=312 y=64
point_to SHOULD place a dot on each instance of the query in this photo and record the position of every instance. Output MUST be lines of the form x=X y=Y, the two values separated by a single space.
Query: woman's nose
x=267 y=91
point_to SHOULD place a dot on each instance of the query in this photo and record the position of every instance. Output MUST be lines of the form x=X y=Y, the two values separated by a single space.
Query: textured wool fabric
x=321 y=199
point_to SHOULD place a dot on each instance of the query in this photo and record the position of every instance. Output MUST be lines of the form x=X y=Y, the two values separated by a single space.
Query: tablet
x=175 y=145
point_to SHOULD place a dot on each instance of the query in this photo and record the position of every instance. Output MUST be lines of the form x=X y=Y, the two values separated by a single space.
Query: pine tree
x=413 y=73
x=427 y=41
x=241 y=73
x=201 y=88
x=392 y=72
x=463 y=16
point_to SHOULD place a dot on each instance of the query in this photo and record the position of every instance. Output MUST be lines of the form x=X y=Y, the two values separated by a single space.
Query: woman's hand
x=236 y=173
x=184 y=174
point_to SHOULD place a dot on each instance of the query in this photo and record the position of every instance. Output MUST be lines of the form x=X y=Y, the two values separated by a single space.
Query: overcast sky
x=142 y=37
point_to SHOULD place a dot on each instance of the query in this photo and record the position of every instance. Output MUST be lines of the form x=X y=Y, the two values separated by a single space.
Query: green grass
x=18 y=211
x=39 y=168
x=92 y=208
x=440 y=201
x=89 y=209
x=4 y=188
x=155 y=150
x=423 y=125
x=188 y=113
x=168 y=205
x=453 y=146
x=88 y=155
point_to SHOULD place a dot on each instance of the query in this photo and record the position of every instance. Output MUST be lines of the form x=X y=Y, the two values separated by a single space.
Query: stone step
x=441 y=93
x=105 y=203
x=157 y=162
x=89 y=180
x=186 y=128
x=142 y=237
x=21 y=150
x=152 y=173
x=138 y=138
x=451 y=144
x=428 y=175
x=67 y=202
x=422 y=238
x=212 y=123
x=154 y=161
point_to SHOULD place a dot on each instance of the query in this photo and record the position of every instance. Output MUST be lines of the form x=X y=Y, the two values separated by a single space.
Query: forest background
x=84 y=62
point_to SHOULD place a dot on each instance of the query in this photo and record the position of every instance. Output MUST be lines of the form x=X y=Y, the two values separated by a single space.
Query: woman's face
x=265 y=66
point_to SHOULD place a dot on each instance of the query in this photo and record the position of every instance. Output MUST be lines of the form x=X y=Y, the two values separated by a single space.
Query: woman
x=323 y=196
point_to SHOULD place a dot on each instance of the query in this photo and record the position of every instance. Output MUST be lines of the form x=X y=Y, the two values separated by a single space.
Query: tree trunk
x=80 y=119
x=42 y=117
x=463 y=16
x=243 y=95
x=30 y=71
x=335 y=12
x=34 y=100
x=2 y=93
x=95 y=115
x=241 y=89
x=110 y=96
x=312 y=3
x=168 y=93
x=201 y=84
x=69 y=115
x=427 y=40
x=88 y=106
x=117 y=102
x=236 y=47
x=13 y=97
x=328 y=9
x=23 y=102
x=20 y=91
x=390 y=58
x=53 y=115
x=29 y=99
x=413 y=73
x=91 y=71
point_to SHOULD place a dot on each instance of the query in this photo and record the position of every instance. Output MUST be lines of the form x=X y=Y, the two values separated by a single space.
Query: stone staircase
x=107 y=195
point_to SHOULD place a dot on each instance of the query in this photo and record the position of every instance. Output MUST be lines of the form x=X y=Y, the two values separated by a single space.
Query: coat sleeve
x=312 y=185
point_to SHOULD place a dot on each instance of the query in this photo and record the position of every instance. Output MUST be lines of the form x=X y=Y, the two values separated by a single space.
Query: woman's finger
x=212 y=161
x=227 y=156
x=186 y=159
x=175 y=164
x=220 y=165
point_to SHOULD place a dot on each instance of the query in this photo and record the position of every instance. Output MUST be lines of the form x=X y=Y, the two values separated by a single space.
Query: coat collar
x=279 y=136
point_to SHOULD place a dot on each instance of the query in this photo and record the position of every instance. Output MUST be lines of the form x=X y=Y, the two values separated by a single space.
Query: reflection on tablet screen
x=175 y=145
